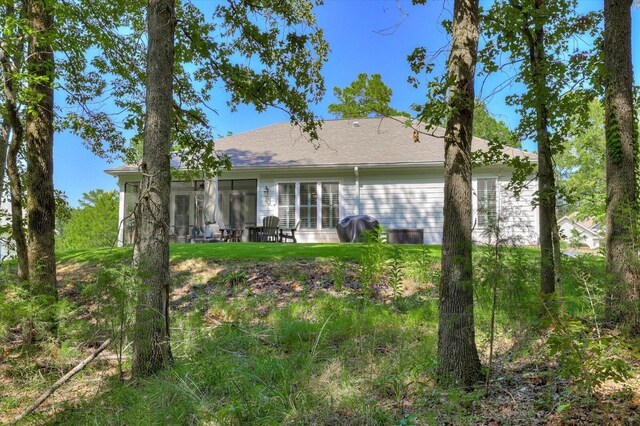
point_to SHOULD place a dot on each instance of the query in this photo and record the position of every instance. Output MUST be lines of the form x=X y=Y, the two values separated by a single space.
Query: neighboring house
x=368 y=166
x=580 y=232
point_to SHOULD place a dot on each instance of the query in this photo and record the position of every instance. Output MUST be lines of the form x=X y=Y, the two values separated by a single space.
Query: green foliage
x=34 y=314
x=512 y=30
x=421 y=265
x=338 y=273
x=395 y=271
x=587 y=360
x=581 y=168
x=586 y=354
x=234 y=277
x=372 y=259
x=114 y=295
x=264 y=54
x=93 y=224
x=364 y=97
x=487 y=127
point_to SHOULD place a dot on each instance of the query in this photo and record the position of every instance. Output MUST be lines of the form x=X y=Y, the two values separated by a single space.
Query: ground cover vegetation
x=319 y=336
x=361 y=334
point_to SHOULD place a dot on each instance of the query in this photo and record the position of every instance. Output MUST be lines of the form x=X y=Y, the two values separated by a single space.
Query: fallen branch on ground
x=63 y=380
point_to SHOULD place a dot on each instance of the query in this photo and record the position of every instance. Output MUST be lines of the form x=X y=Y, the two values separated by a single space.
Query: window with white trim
x=487 y=202
x=330 y=205
x=287 y=204
x=316 y=205
x=309 y=205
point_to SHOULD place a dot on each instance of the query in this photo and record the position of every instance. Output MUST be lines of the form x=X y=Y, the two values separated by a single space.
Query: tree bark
x=152 y=350
x=15 y=188
x=10 y=66
x=622 y=210
x=457 y=353
x=39 y=135
x=546 y=178
x=557 y=253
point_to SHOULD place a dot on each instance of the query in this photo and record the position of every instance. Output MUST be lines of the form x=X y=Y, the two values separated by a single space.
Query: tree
x=11 y=64
x=581 y=168
x=151 y=347
x=457 y=352
x=487 y=127
x=93 y=224
x=39 y=137
x=622 y=167
x=539 y=37
x=284 y=38
x=363 y=97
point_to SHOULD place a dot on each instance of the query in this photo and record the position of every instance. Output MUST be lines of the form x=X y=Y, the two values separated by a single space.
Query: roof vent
x=355 y=124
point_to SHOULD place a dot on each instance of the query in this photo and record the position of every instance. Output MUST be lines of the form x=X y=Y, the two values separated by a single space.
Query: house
x=580 y=232
x=368 y=166
x=5 y=211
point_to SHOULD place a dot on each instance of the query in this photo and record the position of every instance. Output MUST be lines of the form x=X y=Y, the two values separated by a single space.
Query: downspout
x=357 y=173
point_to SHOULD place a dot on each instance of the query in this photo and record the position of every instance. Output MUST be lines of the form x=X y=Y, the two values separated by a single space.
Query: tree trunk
x=546 y=181
x=39 y=135
x=15 y=188
x=10 y=66
x=152 y=350
x=457 y=352
x=622 y=211
x=557 y=253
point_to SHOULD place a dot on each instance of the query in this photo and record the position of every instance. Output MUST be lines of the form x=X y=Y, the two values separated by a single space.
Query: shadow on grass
x=329 y=360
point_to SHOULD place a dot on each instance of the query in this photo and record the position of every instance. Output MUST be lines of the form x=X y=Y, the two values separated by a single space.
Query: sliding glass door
x=237 y=201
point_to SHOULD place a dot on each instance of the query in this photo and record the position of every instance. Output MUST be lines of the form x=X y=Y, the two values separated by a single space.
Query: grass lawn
x=253 y=251
x=272 y=334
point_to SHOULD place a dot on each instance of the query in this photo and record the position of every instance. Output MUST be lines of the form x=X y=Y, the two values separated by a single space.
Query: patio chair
x=235 y=236
x=292 y=235
x=269 y=232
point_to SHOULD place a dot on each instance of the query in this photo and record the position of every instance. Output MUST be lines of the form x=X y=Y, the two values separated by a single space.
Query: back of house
x=370 y=166
x=5 y=247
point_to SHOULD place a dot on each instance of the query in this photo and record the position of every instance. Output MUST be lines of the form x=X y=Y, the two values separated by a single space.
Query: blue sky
x=352 y=28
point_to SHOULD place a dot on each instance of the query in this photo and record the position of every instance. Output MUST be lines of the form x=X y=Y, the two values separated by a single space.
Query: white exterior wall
x=405 y=199
x=517 y=217
x=396 y=197
x=5 y=252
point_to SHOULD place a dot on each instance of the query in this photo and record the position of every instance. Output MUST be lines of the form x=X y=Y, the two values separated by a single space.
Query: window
x=287 y=204
x=487 y=204
x=315 y=205
x=330 y=206
x=309 y=205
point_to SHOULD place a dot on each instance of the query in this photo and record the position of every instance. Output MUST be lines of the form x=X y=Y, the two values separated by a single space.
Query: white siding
x=396 y=197
x=517 y=218
x=5 y=209
x=400 y=199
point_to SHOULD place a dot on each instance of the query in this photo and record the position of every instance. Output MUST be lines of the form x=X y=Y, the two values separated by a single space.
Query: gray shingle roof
x=366 y=141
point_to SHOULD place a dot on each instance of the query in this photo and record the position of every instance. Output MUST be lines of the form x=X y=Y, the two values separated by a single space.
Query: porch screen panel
x=287 y=204
x=224 y=198
x=487 y=202
x=330 y=204
x=309 y=205
x=237 y=201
